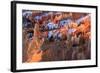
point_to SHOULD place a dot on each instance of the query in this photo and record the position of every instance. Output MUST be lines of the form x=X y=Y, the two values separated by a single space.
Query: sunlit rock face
x=56 y=36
